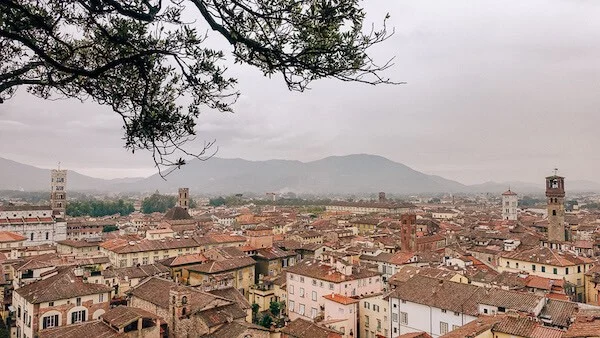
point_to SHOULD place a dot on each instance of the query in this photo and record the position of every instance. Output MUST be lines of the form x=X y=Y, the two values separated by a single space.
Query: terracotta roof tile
x=62 y=286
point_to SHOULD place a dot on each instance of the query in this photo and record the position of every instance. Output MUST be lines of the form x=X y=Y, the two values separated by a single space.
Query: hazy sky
x=497 y=90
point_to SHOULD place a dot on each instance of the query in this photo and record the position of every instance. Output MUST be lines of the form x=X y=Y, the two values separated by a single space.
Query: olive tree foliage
x=155 y=70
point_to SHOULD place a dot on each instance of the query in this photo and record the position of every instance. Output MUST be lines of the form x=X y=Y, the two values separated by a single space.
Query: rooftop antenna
x=555 y=171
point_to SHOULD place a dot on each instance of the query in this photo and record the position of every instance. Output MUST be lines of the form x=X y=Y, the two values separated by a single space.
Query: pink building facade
x=310 y=282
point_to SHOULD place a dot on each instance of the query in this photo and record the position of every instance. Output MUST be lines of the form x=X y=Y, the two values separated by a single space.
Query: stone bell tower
x=555 y=196
x=510 y=201
x=58 y=193
x=179 y=297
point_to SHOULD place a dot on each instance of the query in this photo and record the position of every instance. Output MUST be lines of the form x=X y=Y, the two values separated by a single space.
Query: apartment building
x=308 y=282
x=62 y=298
x=549 y=263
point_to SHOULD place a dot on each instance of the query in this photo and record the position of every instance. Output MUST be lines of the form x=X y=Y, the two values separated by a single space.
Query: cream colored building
x=123 y=253
x=373 y=316
x=549 y=263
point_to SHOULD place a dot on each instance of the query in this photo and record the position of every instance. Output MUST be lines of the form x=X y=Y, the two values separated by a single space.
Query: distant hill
x=336 y=174
x=18 y=176
x=351 y=174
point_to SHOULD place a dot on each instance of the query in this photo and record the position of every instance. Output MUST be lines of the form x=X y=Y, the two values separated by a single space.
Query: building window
x=454 y=327
x=443 y=311
x=375 y=307
x=101 y=298
x=78 y=301
x=395 y=317
x=301 y=279
x=566 y=271
x=49 y=321
x=50 y=303
x=301 y=309
x=578 y=268
x=543 y=269
x=301 y=292
x=555 y=271
x=456 y=313
x=314 y=296
x=313 y=312
x=378 y=325
x=47 y=235
x=443 y=328
x=403 y=318
x=291 y=290
x=314 y=282
x=330 y=286
x=366 y=321
x=291 y=305
x=553 y=212
x=404 y=301
x=367 y=305
x=78 y=317
x=31 y=236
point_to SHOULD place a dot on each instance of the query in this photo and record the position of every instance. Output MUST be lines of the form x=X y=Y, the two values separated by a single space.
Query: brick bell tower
x=184 y=198
x=555 y=196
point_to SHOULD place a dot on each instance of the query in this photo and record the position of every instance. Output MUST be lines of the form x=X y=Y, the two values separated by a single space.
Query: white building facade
x=510 y=203
x=36 y=224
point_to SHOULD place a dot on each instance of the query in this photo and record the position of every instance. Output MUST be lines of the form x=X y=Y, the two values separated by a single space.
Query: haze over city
x=495 y=91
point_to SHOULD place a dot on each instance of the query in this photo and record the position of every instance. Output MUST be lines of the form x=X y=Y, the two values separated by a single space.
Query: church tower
x=58 y=194
x=510 y=201
x=184 y=198
x=408 y=233
x=555 y=196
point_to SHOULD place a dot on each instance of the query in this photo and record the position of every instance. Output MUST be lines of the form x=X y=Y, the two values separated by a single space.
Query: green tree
x=110 y=228
x=255 y=308
x=145 y=58
x=215 y=202
x=98 y=208
x=158 y=203
x=266 y=321
x=275 y=308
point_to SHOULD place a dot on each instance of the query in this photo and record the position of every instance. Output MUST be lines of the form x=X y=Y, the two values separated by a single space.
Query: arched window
x=31 y=236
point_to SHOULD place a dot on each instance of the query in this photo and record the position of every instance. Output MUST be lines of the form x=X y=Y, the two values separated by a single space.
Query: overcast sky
x=496 y=90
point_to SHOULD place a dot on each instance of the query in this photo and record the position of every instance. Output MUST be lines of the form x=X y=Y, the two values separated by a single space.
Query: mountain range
x=351 y=174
